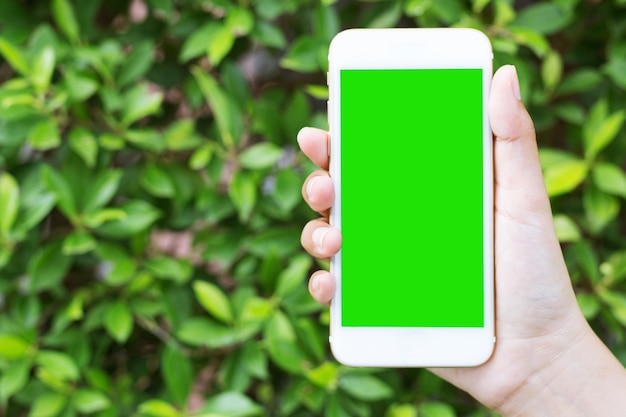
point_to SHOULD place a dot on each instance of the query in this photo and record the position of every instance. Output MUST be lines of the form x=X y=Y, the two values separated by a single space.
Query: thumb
x=520 y=192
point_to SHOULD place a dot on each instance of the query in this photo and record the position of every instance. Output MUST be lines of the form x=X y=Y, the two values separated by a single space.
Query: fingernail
x=315 y=283
x=318 y=237
x=309 y=187
x=515 y=84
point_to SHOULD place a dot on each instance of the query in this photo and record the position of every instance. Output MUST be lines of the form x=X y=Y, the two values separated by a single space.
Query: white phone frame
x=408 y=49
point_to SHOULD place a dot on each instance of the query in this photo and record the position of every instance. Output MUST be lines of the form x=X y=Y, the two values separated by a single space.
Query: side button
x=328 y=111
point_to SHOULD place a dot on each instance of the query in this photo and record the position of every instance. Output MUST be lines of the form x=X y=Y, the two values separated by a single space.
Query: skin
x=547 y=359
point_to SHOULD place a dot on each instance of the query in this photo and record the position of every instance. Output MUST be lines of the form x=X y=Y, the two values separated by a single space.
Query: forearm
x=587 y=380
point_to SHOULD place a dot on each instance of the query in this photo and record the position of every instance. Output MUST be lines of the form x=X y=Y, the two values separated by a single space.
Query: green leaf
x=319 y=92
x=239 y=21
x=97 y=218
x=14 y=378
x=158 y=408
x=59 y=364
x=600 y=207
x=137 y=63
x=279 y=328
x=213 y=300
x=111 y=142
x=118 y=321
x=220 y=43
x=260 y=155
x=45 y=135
x=434 y=409
x=57 y=184
x=196 y=44
x=293 y=276
x=12 y=347
x=609 y=178
x=401 y=410
x=78 y=243
x=48 y=404
x=254 y=360
x=566 y=229
x=287 y=191
x=139 y=103
x=596 y=116
x=282 y=241
x=139 y=216
x=604 y=135
x=365 y=387
x=614 y=268
x=102 y=189
x=335 y=408
x=14 y=56
x=385 y=14
x=448 y=11
x=303 y=56
x=570 y=112
x=65 y=18
x=9 y=202
x=233 y=373
x=588 y=304
x=89 y=401
x=326 y=22
x=180 y=136
x=47 y=267
x=43 y=66
x=325 y=375
x=177 y=270
x=616 y=70
x=617 y=302
x=201 y=157
x=585 y=256
x=551 y=70
x=157 y=181
x=218 y=102
x=231 y=404
x=532 y=39
x=201 y=331
x=243 y=193
x=582 y=80
x=256 y=310
x=177 y=373
x=544 y=18
x=269 y=35
x=85 y=145
x=79 y=86
x=564 y=176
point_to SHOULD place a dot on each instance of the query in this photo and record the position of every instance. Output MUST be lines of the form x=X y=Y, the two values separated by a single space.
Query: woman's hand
x=547 y=360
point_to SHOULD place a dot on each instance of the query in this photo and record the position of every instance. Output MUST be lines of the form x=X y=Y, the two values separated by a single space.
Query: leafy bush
x=150 y=203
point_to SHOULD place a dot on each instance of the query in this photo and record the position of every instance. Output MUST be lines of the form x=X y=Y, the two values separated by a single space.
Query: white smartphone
x=411 y=161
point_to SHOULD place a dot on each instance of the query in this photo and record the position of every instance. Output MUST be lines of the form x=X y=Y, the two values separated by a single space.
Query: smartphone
x=411 y=162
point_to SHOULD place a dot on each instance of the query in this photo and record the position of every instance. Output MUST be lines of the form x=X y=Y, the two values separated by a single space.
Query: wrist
x=583 y=379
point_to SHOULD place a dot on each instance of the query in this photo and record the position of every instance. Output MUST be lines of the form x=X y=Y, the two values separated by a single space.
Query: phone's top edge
x=373 y=36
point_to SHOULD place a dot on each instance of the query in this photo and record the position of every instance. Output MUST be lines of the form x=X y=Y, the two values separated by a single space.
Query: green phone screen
x=412 y=197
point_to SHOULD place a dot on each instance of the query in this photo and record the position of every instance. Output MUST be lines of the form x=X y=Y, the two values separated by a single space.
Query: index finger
x=314 y=143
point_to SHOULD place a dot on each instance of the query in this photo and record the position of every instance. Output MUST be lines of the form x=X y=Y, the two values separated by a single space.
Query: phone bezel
x=412 y=49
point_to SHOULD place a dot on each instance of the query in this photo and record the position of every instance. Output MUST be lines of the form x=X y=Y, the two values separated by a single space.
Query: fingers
x=520 y=190
x=320 y=239
x=318 y=191
x=314 y=143
x=322 y=286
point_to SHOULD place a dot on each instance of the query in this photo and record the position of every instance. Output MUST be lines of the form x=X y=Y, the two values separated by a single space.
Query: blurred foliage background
x=150 y=205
